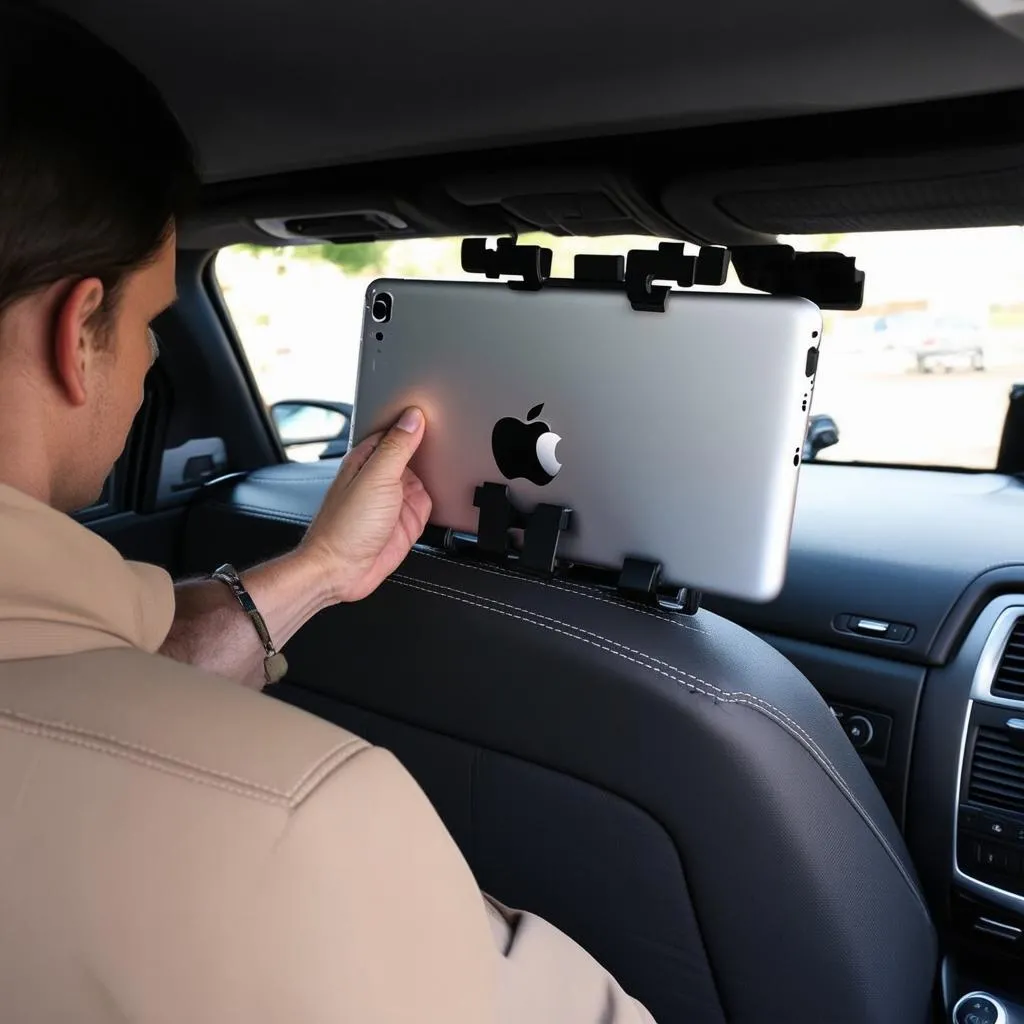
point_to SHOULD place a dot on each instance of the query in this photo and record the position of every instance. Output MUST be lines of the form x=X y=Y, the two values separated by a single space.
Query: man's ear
x=74 y=338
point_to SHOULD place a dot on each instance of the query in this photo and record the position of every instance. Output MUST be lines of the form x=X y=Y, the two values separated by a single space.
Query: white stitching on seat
x=495 y=569
x=590 y=593
x=525 y=616
x=717 y=692
x=726 y=697
x=642 y=654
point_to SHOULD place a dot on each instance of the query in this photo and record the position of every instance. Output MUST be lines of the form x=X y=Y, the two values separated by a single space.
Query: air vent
x=997 y=771
x=1009 y=680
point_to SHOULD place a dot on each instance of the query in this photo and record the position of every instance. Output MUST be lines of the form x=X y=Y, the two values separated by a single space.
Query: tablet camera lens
x=381 y=308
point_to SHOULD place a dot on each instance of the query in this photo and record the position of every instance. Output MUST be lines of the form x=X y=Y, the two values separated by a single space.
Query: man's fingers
x=415 y=494
x=415 y=515
x=397 y=446
x=356 y=458
x=411 y=481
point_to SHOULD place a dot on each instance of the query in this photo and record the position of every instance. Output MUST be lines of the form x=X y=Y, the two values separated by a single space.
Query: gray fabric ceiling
x=264 y=86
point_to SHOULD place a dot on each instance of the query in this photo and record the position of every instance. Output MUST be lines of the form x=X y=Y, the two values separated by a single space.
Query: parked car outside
x=934 y=341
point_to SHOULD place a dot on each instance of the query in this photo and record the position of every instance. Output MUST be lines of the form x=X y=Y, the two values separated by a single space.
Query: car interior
x=810 y=809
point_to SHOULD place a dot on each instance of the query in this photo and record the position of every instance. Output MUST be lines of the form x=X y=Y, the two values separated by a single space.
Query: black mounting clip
x=670 y=262
x=531 y=263
x=602 y=271
x=640 y=581
x=542 y=528
x=829 y=279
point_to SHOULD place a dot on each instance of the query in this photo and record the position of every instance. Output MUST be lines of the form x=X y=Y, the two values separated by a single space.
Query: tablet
x=674 y=436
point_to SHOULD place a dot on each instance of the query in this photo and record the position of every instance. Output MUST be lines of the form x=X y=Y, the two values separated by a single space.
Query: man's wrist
x=275 y=665
x=313 y=576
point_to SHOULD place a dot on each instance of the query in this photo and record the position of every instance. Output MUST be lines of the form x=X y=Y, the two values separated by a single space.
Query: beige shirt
x=63 y=590
x=174 y=847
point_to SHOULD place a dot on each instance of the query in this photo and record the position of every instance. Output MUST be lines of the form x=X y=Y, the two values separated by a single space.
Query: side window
x=298 y=312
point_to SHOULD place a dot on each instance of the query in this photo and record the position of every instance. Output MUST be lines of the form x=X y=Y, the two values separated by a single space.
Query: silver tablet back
x=673 y=436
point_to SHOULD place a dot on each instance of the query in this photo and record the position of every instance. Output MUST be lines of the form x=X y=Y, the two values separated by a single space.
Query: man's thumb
x=398 y=445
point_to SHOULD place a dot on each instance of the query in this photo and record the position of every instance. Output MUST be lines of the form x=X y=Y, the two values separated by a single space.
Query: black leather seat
x=669 y=791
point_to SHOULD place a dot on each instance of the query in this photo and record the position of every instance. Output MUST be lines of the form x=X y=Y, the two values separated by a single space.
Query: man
x=174 y=847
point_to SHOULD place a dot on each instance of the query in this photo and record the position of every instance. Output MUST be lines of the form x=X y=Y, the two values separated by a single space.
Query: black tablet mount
x=830 y=280
x=639 y=580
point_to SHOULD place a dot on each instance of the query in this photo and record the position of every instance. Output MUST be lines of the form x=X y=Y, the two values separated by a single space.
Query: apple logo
x=527 y=449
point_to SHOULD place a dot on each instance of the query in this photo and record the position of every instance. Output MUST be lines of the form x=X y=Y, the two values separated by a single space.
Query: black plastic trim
x=1007 y=579
x=253 y=442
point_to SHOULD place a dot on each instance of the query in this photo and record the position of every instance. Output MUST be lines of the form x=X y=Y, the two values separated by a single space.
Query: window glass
x=920 y=375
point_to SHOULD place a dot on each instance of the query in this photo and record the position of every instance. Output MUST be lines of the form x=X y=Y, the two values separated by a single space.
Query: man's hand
x=372 y=515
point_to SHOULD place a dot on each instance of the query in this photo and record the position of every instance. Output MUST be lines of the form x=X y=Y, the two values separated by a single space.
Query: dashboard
x=904 y=606
x=914 y=548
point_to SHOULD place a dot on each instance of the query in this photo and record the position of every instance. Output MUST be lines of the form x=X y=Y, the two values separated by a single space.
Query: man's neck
x=26 y=460
x=27 y=416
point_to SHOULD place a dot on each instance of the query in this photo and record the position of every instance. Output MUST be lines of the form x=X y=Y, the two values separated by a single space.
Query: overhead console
x=574 y=200
x=945 y=163
x=562 y=199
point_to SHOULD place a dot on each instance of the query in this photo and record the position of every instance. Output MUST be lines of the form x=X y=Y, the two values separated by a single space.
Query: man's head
x=94 y=172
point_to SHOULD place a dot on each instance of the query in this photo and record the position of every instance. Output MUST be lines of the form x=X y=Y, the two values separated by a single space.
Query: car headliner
x=264 y=87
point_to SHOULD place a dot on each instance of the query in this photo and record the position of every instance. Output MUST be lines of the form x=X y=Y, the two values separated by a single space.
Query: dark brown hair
x=94 y=168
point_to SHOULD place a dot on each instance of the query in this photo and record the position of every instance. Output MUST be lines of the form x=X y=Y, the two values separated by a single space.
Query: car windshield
x=920 y=375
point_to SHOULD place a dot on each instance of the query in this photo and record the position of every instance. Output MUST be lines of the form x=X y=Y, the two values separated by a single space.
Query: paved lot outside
x=889 y=413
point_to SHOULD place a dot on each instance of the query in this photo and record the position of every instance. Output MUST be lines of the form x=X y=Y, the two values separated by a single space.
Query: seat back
x=666 y=789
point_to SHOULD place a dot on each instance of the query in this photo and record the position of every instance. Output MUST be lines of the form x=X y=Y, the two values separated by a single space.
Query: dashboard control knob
x=979 y=1008
x=860 y=730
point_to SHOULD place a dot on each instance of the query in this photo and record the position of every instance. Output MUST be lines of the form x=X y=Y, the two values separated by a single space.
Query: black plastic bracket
x=640 y=581
x=542 y=528
x=670 y=262
x=639 y=578
x=531 y=263
x=602 y=270
x=829 y=279
x=1011 y=444
x=713 y=262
